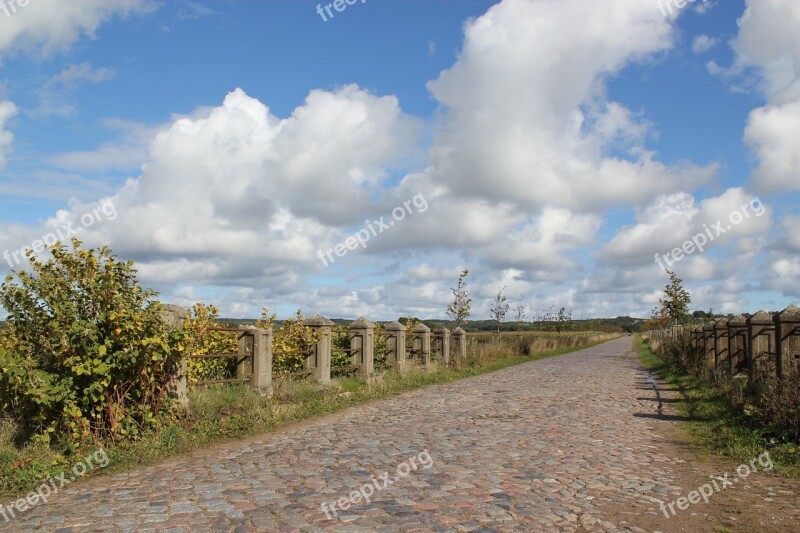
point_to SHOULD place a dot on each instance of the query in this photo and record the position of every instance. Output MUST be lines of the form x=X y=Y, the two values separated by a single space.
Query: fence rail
x=254 y=364
x=734 y=344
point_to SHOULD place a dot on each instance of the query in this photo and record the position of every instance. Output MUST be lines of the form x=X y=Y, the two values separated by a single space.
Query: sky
x=288 y=154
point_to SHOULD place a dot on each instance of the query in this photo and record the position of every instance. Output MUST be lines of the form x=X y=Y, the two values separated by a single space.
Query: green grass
x=715 y=428
x=224 y=413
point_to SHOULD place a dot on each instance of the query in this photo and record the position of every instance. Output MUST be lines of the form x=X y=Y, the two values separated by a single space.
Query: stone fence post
x=256 y=345
x=173 y=317
x=319 y=362
x=760 y=329
x=443 y=340
x=362 y=342
x=460 y=345
x=396 y=345
x=787 y=326
x=709 y=355
x=721 y=342
x=737 y=343
x=422 y=344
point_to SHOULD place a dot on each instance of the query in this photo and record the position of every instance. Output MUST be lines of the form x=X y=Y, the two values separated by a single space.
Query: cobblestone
x=542 y=446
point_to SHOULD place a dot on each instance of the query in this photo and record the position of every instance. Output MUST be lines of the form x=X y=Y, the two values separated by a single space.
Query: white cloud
x=7 y=110
x=127 y=153
x=673 y=220
x=703 y=43
x=767 y=43
x=527 y=120
x=46 y=26
x=54 y=95
x=80 y=73
x=772 y=133
x=235 y=193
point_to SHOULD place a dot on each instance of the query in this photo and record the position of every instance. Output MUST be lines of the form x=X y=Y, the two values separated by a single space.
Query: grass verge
x=713 y=424
x=224 y=413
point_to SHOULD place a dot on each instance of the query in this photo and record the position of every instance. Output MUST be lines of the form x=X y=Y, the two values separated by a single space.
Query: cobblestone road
x=546 y=446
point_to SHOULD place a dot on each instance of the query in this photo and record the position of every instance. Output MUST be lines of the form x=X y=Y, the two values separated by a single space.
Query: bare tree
x=520 y=308
x=499 y=308
x=460 y=309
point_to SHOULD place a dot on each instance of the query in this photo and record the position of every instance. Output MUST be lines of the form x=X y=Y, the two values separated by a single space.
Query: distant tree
x=499 y=308
x=563 y=319
x=520 y=308
x=676 y=300
x=461 y=307
x=548 y=318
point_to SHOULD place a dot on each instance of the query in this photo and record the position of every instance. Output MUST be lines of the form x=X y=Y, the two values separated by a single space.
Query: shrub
x=290 y=338
x=86 y=354
x=769 y=403
x=198 y=339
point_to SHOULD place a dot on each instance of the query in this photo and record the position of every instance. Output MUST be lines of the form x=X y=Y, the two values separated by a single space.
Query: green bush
x=86 y=355
x=290 y=338
x=198 y=339
x=767 y=402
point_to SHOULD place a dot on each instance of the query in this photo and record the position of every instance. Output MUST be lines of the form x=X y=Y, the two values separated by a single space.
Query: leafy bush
x=766 y=401
x=290 y=338
x=86 y=354
x=681 y=354
x=340 y=341
x=198 y=339
x=776 y=403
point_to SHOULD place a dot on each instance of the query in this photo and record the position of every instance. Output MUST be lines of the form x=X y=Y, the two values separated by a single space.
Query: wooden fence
x=734 y=345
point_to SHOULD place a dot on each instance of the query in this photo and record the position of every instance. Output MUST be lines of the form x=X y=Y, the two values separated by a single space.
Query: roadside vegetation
x=729 y=414
x=723 y=420
x=88 y=362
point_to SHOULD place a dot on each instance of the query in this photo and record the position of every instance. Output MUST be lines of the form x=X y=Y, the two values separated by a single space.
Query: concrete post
x=460 y=343
x=261 y=377
x=786 y=324
x=759 y=329
x=173 y=317
x=319 y=362
x=721 y=353
x=396 y=345
x=422 y=344
x=737 y=343
x=362 y=340
x=443 y=338
x=709 y=354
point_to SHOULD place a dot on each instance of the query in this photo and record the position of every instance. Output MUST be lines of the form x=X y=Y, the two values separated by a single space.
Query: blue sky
x=558 y=145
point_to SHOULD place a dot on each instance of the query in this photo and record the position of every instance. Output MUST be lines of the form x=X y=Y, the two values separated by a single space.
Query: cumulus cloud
x=672 y=220
x=45 y=26
x=767 y=44
x=772 y=133
x=527 y=120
